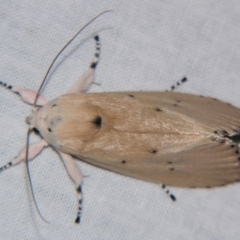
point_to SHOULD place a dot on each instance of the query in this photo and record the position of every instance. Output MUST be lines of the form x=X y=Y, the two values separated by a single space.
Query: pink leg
x=27 y=95
x=76 y=176
x=84 y=82
x=33 y=151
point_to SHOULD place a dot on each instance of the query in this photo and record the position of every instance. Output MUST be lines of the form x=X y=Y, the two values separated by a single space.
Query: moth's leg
x=167 y=191
x=177 y=84
x=77 y=177
x=33 y=150
x=27 y=95
x=84 y=82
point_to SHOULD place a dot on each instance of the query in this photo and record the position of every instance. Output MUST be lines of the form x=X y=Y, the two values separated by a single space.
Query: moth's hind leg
x=177 y=84
x=27 y=95
x=33 y=150
x=84 y=82
x=77 y=177
x=167 y=191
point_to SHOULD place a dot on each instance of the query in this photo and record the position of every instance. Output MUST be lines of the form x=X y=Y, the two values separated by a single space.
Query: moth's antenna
x=54 y=60
x=29 y=178
x=34 y=105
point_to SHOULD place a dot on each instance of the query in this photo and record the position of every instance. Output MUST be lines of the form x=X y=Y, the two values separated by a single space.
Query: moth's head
x=31 y=120
x=42 y=120
x=37 y=121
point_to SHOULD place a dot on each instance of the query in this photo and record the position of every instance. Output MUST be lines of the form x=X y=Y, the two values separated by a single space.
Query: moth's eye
x=35 y=130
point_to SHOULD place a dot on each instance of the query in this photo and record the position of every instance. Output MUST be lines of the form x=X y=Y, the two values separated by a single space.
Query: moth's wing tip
x=204 y=166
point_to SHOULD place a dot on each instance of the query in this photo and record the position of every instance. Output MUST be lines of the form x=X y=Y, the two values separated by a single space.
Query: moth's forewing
x=162 y=137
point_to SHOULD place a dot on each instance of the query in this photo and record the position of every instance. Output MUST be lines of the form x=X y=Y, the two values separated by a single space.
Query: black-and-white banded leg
x=26 y=95
x=95 y=61
x=33 y=150
x=167 y=191
x=84 y=82
x=177 y=84
x=77 y=177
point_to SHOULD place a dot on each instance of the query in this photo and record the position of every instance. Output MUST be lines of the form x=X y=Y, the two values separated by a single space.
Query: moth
x=177 y=139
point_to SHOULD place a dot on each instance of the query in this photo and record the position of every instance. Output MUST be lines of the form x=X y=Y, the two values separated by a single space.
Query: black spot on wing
x=225 y=133
x=98 y=121
x=235 y=138
x=153 y=150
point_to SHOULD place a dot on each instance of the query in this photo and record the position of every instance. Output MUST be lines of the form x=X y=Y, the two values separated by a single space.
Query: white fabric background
x=146 y=45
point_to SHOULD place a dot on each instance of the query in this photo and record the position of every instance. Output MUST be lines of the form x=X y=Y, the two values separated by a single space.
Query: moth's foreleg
x=77 y=177
x=27 y=95
x=84 y=82
x=33 y=150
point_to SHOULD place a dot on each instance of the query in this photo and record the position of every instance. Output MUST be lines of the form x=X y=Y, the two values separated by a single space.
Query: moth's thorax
x=62 y=121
